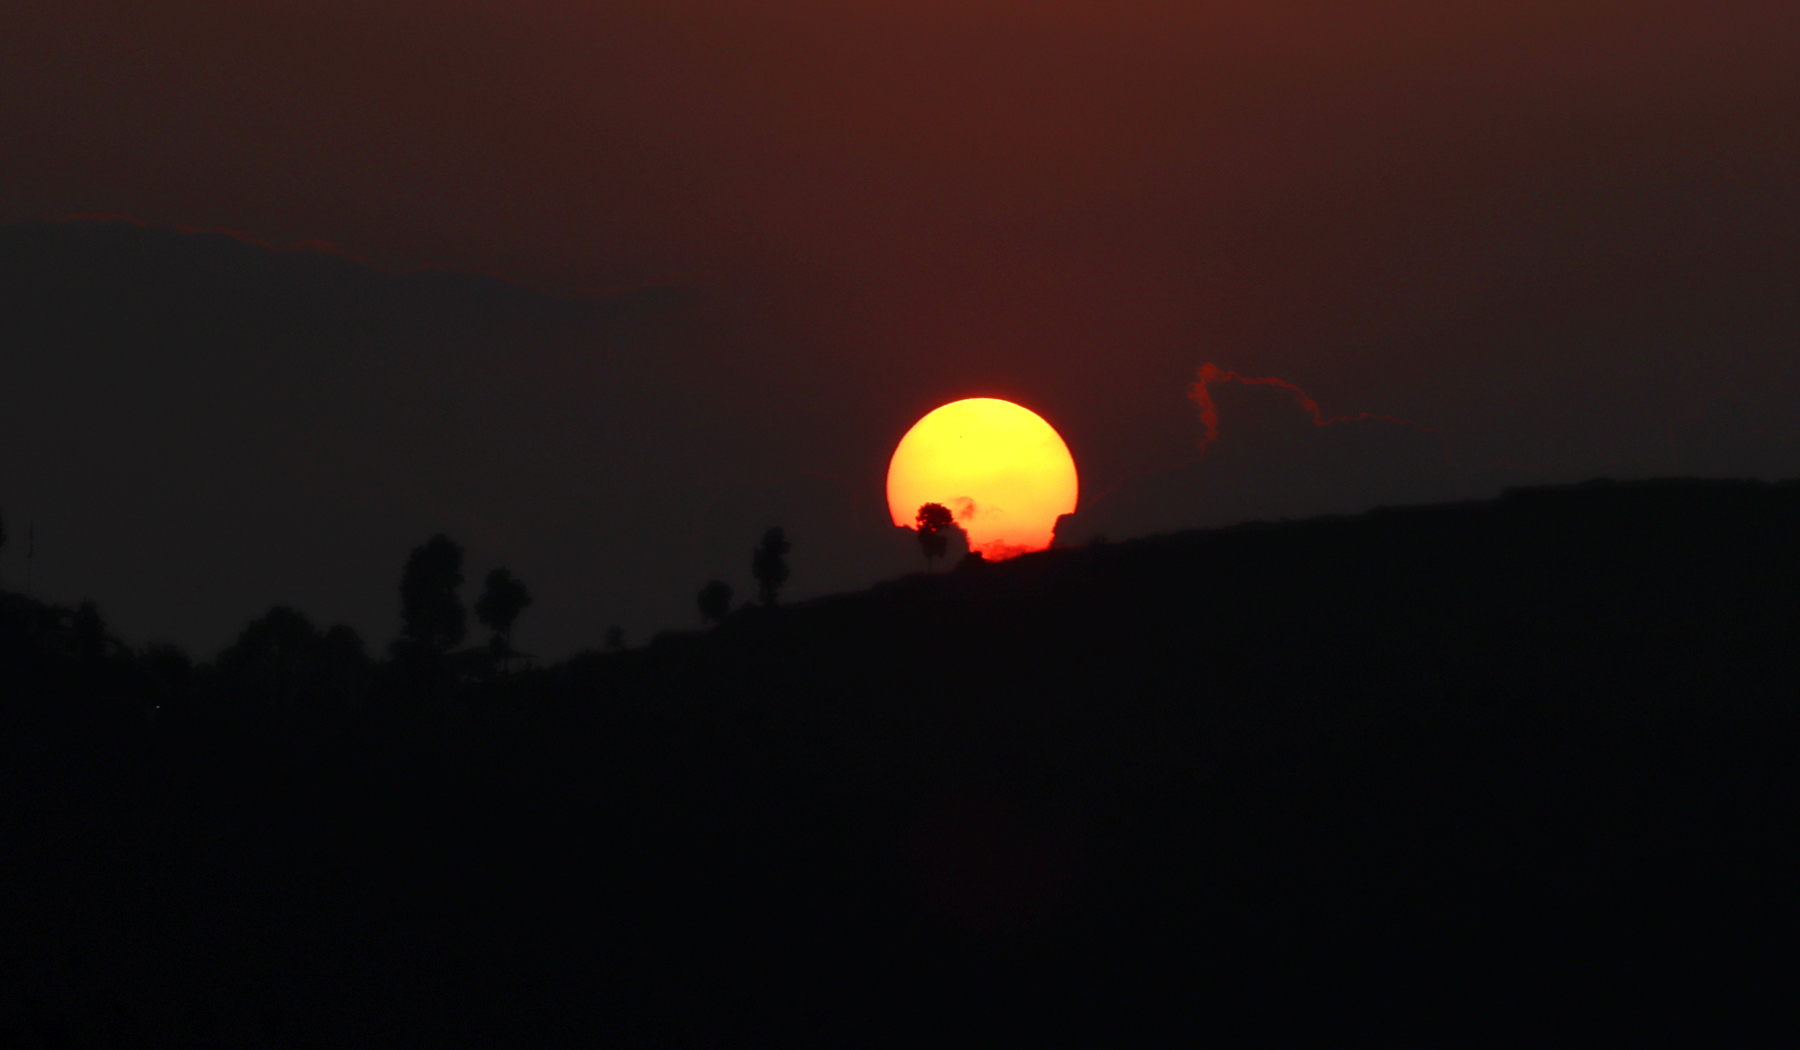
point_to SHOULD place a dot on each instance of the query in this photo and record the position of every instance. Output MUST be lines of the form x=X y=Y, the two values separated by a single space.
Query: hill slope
x=1445 y=772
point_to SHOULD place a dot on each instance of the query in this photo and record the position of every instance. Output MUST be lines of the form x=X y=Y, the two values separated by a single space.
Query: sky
x=605 y=290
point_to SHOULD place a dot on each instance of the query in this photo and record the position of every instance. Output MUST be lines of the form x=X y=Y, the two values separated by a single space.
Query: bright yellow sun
x=1003 y=472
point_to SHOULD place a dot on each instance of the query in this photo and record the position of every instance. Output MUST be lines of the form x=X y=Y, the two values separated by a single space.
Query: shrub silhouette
x=769 y=564
x=431 y=614
x=715 y=602
x=933 y=520
x=501 y=602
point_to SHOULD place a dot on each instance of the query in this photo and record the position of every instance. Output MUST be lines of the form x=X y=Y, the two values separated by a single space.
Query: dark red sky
x=1555 y=232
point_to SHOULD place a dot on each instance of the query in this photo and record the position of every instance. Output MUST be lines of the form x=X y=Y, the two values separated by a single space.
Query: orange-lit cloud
x=1210 y=373
x=1283 y=457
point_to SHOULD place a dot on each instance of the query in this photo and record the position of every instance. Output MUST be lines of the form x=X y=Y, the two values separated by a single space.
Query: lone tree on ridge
x=715 y=602
x=430 y=612
x=933 y=522
x=501 y=602
x=769 y=564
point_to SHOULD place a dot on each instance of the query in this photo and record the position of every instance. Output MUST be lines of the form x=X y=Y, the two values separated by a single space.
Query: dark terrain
x=1517 y=770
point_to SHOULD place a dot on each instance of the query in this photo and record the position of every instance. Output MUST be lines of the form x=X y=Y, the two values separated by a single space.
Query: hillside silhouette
x=1461 y=772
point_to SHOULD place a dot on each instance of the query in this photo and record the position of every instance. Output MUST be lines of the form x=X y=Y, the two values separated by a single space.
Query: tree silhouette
x=500 y=603
x=430 y=612
x=715 y=602
x=284 y=664
x=933 y=520
x=615 y=637
x=769 y=564
x=273 y=659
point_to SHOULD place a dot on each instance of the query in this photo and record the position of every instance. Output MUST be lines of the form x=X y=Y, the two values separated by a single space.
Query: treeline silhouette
x=1454 y=773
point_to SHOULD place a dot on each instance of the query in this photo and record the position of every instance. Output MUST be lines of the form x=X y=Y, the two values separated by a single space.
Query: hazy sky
x=1560 y=235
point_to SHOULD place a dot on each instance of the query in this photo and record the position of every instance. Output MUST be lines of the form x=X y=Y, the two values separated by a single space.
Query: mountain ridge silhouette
x=1464 y=770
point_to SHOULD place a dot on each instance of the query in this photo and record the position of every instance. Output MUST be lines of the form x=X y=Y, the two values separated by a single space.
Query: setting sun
x=1001 y=470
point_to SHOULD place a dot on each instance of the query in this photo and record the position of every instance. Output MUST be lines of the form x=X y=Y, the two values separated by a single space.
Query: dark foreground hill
x=1519 y=769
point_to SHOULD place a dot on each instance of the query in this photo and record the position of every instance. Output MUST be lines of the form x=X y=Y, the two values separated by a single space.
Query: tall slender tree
x=431 y=614
x=768 y=563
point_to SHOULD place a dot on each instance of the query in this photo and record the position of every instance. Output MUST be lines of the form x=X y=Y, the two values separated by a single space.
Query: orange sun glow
x=1001 y=470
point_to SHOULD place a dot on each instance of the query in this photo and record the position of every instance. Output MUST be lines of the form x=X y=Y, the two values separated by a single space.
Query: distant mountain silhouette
x=219 y=284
